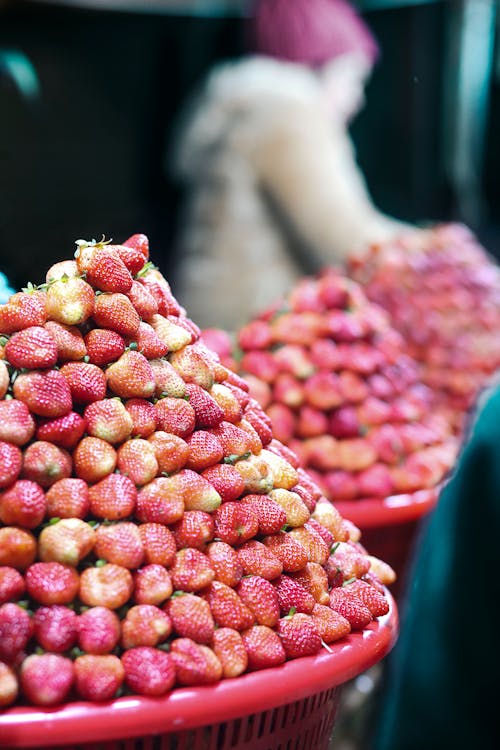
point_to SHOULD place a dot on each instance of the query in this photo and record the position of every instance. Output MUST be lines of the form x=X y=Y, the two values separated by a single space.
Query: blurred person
x=5 y=289
x=274 y=190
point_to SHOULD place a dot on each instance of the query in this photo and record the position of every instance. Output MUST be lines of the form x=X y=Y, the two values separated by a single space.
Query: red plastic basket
x=291 y=707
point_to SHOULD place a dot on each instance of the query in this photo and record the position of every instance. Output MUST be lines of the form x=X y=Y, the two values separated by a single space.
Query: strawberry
x=9 y=687
x=31 y=348
x=4 y=378
x=229 y=648
x=65 y=268
x=144 y=418
x=288 y=390
x=102 y=266
x=67 y=541
x=52 y=583
x=171 y=452
x=220 y=372
x=120 y=544
x=148 y=671
x=44 y=393
x=69 y=341
x=132 y=257
x=257 y=559
x=87 y=382
x=239 y=388
x=299 y=635
x=350 y=607
x=207 y=411
x=149 y=343
x=271 y=516
x=175 y=415
x=234 y=441
x=45 y=463
x=263 y=646
x=12 y=585
x=325 y=534
x=63 y=431
x=16 y=423
x=283 y=474
x=18 y=547
x=70 y=301
x=195 y=529
x=261 y=364
x=292 y=594
x=383 y=572
x=98 y=678
x=296 y=511
x=255 y=335
x=227 y=608
x=197 y=493
x=145 y=625
x=131 y=376
x=139 y=242
x=104 y=346
x=93 y=459
x=113 y=498
x=55 y=628
x=137 y=460
x=143 y=301
x=323 y=391
x=314 y=579
x=291 y=554
x=98 y=630
x=227 y=402
x=174 y=336
x=353 y=563
x=261 y=423
x=191 y=570
x=193 y=367
x=225 y=480
x=160 y=289
x=328 y=516
x=205 y=450
x=106 y=585
x=286 y=453
x=10 y=463
x=195 y=664
x=161 y=502
x=23 y=504
x=191 y=617
x=116 y=311
x=317 y=549
x=283 y=420
x=16 y=629
x=109 y=420
x=330 y=625
x=374 y=600
x=262 y=598
x=46 y=679
x=158 y=543
x=235 y=523
x=23 y=309
x=256 y=474
x=152 y=585
x=225 y=562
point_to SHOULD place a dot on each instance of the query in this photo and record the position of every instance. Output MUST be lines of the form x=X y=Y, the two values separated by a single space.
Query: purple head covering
x=309 y=31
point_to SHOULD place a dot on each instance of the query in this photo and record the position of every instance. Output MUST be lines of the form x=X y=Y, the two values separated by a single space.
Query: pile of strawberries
x=442 y=291
x=153 y=533
x=342 y=392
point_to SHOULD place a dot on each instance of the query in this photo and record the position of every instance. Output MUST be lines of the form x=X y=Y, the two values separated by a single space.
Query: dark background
x=87 y=156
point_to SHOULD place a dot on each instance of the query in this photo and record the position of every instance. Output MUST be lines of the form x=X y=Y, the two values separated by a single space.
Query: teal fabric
x=442 y=678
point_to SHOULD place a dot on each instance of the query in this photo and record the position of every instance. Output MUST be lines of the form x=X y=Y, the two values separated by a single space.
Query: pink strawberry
x=46 y=680
x=152 y=585
x=257 y=559
x=70 y=301
x=235 y=523
x=45 y=463
x=283 y=420
x=227 y=401
x=113 y=498
x=137 y=460
x=55 y=628
x=106 y=585
x=191 y=617
x=171 y=452
x=235 y=441
x=205 y=450
x=16 y=629
x=104 y=346
x=261 y=423
x=299 y=635
x=98 y=678
x=87 y=382
x=10 y=463
x=197 y=493
x=167 y=381
x=45 y=393
x=263 y=646
x=145 y=625
x=226 y=481
x=158 y=543
x=225 y=562
x=262 y=598
x=227 y=608
x=69 y=341
x=119 y=543
x=23 y=504
x=330 y=625
x=323 y=391
x=148 y=671
x=261 y=364
x=116 y=311
x=313 y=579
x=109 y=420
x=52 y=583
x=131 y=376
x=149 y=343
x=291 y=554
x=350 y=607
x=173 y=335
x=369 y=596
x=139 y=242
x=143 y=301
x=17 y=547
x=98 y=630
x=63 y=431
x=193 y=366
x=31 y=348
x=191 y=570
x=175 y=415
x=23 y=309
x=351 y=561
x=271 y=516
x=4 y=377
x=208 y=413
x=160 y=289
x=195 y=529
x=161 y=501
x=67 y=541
x=255 y=335
x=12 y=586
x=93 y=459
x=230 y=650
x=144 y=417
x=17 y=426
x=292 y=594
x=9 y=687
x=195 y=664
x=102 y=266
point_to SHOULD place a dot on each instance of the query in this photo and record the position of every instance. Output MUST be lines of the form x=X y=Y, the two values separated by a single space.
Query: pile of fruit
x=442 y=291
x=342 y=392
x=153 y=533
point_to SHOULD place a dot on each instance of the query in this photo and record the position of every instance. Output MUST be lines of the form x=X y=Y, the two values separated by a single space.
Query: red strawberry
x=139 y=242
x=44 y=393
x=23 y=309
x=87 y=382
x=271 y=516
x=63 y=431
x=46 y=679
x=317 y=549
x=191 y=570
x=144 y=417
x=131 y=376
x=4 y=377
x=226 y=480
x=235 y=442
x=195 y=664
x=207 y=411
x=261 y=364
x=12 y=585
x=69 y=341
x=227 y=608
x=239 y=388
x=160 y=289
x=102 y=266
x=31 y=348
x=175 y=415
x=263 y=646
x=171 y=451
x=120 y=544
x=369 y=596
x=67 y=541
x=262 y=598
x=52 y=583
x=205 y=450
x=291 y=554
x=257 y=559
x=17 y=426
x=10 y=463
x=9 y=687
x=93 y=459
x=70 y=301
x=173 y=335
x=104 y=346
x=98 y=678
x=145 y=625
x=225 y=562
x=227 y=402
x=235 y=523
x=330 y=624
x=350 y=607
x=255 y=335
x=55 y=628
x=285 y=452
x=197 y=493
x=23 y=504
x=353 y=563
x=315 y=580
x=113 y=498
x=17 y=547
x=152 y=585
x=116 y=311
x=191 y=617
x=45 y=463
x=16 y=629
x=229 y=648
x=158 y=543
x=109 y=420
x=137 y=460
x=98 y=630
x=261 y=423
x=283 y=421
x=195 y=529
x=106 y=585
x=149 y=343
x=292 y=594
x=132 y=257
x=161 y=501
x=148 y=671
x=143 y=301
x=299 y=635
x=324 y=533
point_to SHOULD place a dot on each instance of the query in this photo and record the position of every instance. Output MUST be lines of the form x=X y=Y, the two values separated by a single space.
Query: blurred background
x=90 y=92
